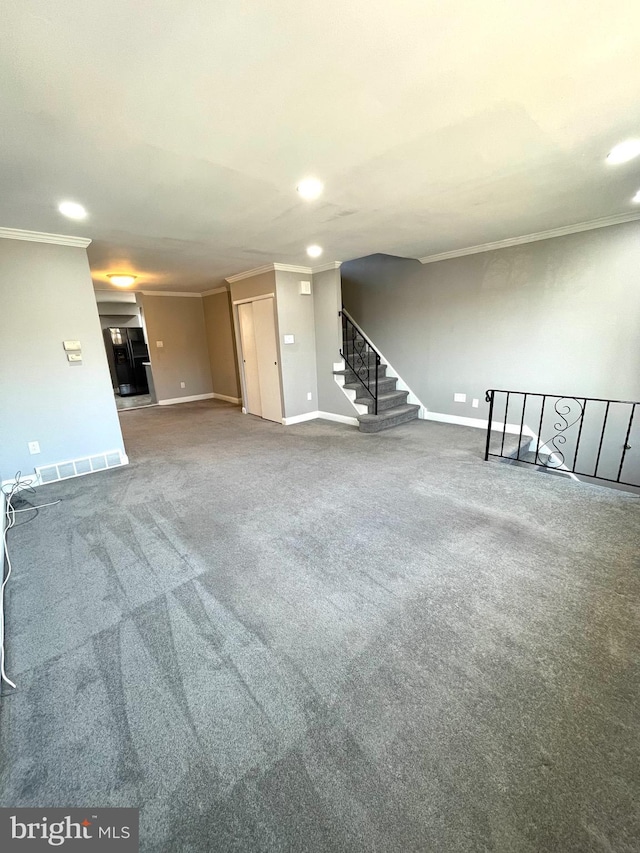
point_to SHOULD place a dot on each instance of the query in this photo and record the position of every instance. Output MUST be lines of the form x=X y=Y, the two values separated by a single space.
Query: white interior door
x=252 y=401
x=264 y=326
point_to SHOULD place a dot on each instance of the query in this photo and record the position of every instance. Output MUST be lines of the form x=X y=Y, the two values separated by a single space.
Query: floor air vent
x=78 y=467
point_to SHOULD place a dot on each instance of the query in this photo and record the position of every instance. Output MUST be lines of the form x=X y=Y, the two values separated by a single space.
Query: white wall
x=46 y=297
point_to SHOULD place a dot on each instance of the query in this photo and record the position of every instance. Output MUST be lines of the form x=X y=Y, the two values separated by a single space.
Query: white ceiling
x=184 y=126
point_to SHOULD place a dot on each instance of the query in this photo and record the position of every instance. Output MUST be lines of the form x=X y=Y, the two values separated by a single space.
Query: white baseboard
x=478 y=423
x=173 y=400
x=339 y=419
x=298 y=419
x=3 y=522
x=235 y=400
x=325 y=416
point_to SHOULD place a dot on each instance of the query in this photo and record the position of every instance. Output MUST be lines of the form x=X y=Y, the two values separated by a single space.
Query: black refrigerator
x=127 y=353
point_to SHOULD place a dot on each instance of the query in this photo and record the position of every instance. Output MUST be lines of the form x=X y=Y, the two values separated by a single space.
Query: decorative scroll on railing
x=586 y=436
x=361 y=358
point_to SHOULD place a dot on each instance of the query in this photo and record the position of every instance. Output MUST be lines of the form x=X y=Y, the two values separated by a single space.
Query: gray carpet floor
x=309 y=639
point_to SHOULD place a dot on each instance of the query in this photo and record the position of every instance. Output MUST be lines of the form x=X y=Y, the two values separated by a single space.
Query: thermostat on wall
x=71 y=346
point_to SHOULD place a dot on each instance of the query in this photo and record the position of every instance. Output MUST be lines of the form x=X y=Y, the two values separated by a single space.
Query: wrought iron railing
x=360 y=357
x=585 y=436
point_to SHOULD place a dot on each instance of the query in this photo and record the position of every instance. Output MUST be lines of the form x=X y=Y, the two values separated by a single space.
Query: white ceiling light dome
x=314 y=251
x=72 y=210
x=624 y=152
x=310 y=188
x=121 y=279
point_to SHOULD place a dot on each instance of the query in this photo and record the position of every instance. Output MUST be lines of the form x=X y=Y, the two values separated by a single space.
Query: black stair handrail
x=566 y=430
x=361 y=357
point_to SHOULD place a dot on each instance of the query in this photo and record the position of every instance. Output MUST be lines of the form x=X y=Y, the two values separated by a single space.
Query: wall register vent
x=79 y=467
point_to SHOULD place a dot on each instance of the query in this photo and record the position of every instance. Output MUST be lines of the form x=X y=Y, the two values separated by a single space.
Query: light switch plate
x=289 y=339
x=70 y=346
x=159 y=344
x=74 y=356
x=475 y=403
x=459 y=398
x=305 y=287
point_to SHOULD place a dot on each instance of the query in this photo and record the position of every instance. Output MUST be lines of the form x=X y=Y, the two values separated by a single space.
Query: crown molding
x=167 y=293
x=532 y=238
x=250 y=273
x=274 y=267
x=293 y=268
x=42 y=237
x=215 y=290
x=332 y=265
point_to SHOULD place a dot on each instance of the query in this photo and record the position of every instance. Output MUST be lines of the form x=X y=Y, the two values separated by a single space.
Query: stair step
x=385 y=385
x=382 y=370
x=388 y=418
x=362 y=363
x=390 y=400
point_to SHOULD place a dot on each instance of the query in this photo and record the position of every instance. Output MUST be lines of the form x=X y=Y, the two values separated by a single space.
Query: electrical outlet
x=182 y=385
x=309 y=396
x=34 y=447
x=159 y=344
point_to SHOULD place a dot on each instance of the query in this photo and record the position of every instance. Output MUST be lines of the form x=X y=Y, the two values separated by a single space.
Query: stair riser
x=364 y=362
x=378 y=426
x=385 y=386
x=370 y=376
x=383 y=405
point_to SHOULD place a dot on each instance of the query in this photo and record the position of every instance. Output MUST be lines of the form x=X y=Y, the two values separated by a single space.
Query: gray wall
x=46 y=297
x=177 y=321
x=559 y=316
x=327 y=301
x=257 y=285
x=298 y=360
x=221 y=344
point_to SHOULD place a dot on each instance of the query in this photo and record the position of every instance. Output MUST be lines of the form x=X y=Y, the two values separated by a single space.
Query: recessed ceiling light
x=314 y=251
x=310 y=188
x=636 y=198
x=624 y=152
x=72 y=210
x=122 y=280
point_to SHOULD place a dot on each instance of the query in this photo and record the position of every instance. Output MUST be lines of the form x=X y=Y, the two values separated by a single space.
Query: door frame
x=236 y=323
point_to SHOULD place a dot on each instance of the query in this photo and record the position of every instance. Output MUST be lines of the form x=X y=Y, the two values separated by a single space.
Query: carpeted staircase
x=393 y=408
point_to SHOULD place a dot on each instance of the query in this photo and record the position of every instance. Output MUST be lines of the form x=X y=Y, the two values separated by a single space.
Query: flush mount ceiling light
x=314 y=251
x=72 y=209
x=624 y=152
x=310 y=188
x=122 y=280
